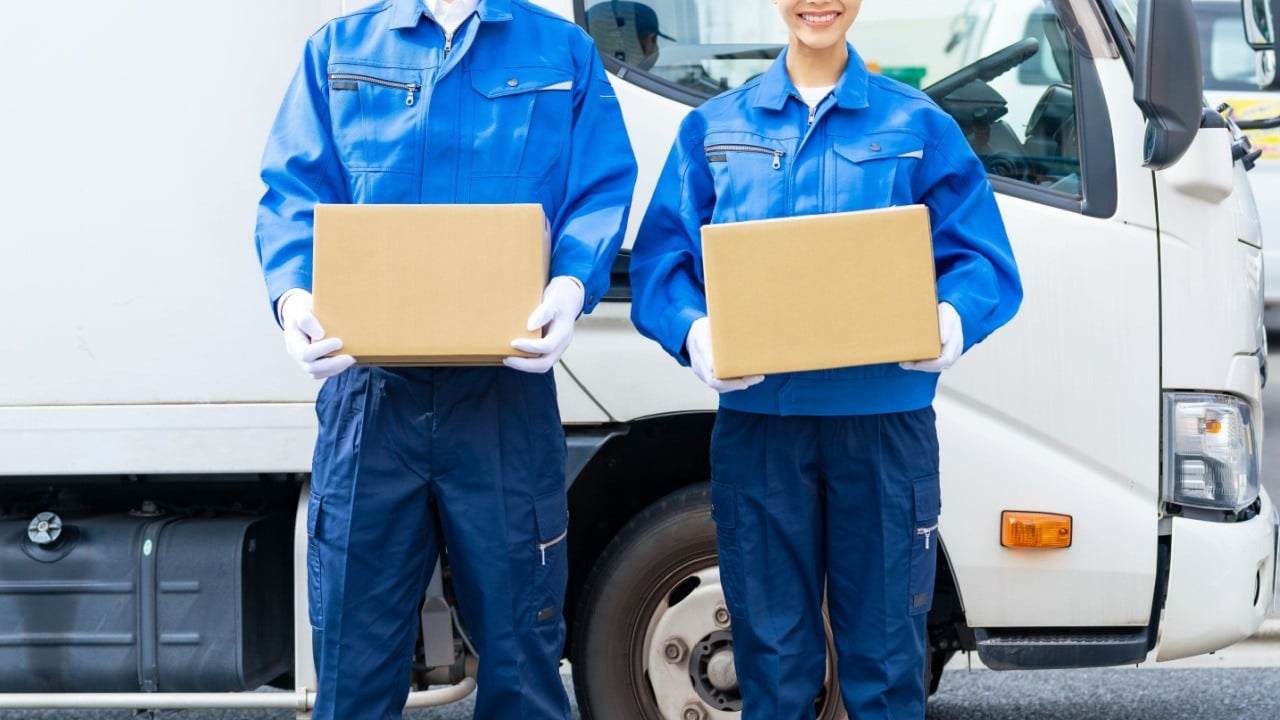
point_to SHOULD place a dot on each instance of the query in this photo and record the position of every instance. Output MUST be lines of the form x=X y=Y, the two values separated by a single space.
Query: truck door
x=1059 y=412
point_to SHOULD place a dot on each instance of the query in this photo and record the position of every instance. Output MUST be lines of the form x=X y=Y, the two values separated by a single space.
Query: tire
x=658 y=580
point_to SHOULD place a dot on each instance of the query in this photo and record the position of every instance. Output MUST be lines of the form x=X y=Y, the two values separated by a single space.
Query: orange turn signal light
x=1044 y=531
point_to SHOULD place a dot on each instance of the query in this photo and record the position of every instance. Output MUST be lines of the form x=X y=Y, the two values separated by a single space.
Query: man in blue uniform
x=443 y=101
x=824 y=481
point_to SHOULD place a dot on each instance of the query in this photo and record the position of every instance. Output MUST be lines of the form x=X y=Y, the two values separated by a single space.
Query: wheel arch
x=620 y=470
x=631 y=467
x=948 y=630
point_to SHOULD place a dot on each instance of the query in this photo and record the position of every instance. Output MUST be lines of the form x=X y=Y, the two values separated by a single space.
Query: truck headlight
x=1211 y=452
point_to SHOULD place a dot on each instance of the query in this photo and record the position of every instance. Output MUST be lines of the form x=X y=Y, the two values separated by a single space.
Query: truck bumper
x=1222 y=583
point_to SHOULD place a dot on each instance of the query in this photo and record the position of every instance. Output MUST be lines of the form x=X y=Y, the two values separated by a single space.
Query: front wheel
x=652 y=639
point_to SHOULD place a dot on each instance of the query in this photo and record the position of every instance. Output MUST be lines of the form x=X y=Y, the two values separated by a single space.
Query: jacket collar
x=775 y=86
x=407 y=13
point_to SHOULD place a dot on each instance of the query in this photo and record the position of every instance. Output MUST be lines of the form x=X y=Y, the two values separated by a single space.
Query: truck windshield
x=709 y=46
x=1002 y=68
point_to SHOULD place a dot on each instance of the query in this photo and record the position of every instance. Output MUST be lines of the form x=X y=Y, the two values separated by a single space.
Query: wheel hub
x=721 y=672
x=690 y=656
x=712 y=672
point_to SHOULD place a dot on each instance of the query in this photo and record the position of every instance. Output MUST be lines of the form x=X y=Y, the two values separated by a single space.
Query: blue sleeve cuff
x=969 y=324
x=281 y=283
x=678 y=331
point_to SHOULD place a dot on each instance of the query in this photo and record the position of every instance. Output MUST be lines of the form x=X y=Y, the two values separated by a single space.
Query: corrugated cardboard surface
x=429 y=284
x=821 y=291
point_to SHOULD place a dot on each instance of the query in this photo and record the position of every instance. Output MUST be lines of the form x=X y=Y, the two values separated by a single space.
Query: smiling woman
x=838 y=466
x=817 y=28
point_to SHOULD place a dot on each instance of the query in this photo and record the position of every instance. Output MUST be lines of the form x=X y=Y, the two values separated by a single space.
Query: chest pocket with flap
x=874 y=171
x=520 y=120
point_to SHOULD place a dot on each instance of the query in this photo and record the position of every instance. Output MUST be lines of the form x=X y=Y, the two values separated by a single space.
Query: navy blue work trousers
x=413 y=461
x=847 y=505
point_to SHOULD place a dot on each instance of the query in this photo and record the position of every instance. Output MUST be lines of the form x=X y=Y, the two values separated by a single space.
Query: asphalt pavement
x=1190 y=693
x=1186 y=694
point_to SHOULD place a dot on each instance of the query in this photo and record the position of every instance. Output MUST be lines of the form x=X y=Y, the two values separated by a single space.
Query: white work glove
x=952 y=335
x=698 y=344
x=304 y=338
x=560 y=307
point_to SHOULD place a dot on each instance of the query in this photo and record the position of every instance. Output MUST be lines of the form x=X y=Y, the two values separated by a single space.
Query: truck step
x=1019 y=649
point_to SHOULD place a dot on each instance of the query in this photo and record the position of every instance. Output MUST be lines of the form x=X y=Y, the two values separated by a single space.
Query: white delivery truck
x=156 y=440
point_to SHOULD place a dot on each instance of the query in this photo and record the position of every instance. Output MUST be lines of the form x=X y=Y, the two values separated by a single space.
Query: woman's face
x=819 y=24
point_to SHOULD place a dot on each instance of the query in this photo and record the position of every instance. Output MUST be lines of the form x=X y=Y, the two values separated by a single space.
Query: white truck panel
x=147 y=344
x=208 y=438
x=159 y=439
x=607 y=347
x=1106 y=577
x=576 y=406
x=1212 y=280
x=131 y=221
x=652 y=122
x=1059 y=412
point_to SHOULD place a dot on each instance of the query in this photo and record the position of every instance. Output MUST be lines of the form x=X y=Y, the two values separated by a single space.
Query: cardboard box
x=821 y=291
x=429 y=284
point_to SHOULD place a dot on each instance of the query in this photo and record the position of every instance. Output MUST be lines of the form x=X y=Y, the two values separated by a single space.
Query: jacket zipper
x=412 y=88
x=448 y=43
x=926 y=532
x=777 y=154
x=542 y=547
x=813 y=111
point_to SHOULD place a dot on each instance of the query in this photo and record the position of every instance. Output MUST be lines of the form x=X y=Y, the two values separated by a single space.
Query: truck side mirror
x=1259 y=20
x=1259 y=31
x=1167 y=84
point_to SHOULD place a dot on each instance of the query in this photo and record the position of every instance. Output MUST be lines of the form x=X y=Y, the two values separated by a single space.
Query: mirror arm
x=1264 y=124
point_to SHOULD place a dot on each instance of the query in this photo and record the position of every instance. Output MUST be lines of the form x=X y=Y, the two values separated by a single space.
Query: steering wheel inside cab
x=980 y=112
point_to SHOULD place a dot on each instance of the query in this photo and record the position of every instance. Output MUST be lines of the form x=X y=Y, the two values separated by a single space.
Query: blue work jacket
x=758 y=152
x=515 y=107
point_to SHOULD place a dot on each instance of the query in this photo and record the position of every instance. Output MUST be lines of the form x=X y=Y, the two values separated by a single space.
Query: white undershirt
x=814 y=95
x=450 y=14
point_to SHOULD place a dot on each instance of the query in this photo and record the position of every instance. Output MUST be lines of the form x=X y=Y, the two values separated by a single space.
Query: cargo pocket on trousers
x=314 y=604
x=551 y=513
x=724 y=511
x=924 y=544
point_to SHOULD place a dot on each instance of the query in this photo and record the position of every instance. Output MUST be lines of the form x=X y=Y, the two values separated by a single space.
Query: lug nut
x=674 y=650
x=694 y=712
x=722 y=617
